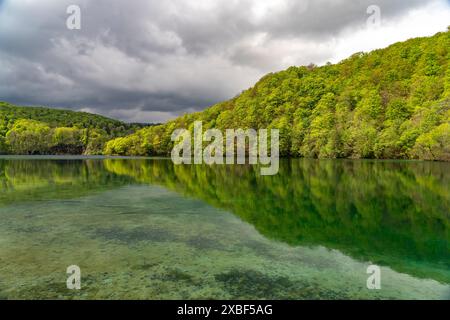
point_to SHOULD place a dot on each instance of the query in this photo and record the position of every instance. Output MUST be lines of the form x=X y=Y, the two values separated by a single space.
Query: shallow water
x=146 y=229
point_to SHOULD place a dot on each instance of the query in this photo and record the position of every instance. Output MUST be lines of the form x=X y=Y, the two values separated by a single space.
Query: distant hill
x=60 y=118
x=38 y=130
x=389 y=103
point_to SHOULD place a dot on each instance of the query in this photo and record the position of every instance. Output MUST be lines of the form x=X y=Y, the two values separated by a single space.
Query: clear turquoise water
x=146 y=229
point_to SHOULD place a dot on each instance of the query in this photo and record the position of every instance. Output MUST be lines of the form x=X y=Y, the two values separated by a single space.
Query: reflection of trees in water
x=28 y=180
x=392 y=213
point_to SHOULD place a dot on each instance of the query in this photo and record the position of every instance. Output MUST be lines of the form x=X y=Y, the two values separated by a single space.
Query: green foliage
x=61 y=118
x=32 y=130
x=390 y=103
x=434 y=144
x=125 y=146
x=29 y=137
x=94 y=141
x=3 y=146
x=67 y=141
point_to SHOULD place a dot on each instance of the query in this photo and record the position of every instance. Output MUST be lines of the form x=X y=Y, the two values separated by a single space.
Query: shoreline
x=102 y=157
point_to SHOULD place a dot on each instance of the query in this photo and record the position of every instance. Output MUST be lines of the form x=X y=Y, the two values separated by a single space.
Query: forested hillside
x=390 y=103
x=36 y=130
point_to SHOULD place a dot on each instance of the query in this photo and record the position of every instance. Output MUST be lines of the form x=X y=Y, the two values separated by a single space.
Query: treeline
x=39 y=131
x=390 y=103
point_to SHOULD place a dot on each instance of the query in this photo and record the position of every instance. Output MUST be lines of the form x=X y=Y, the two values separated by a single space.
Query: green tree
x=29 y=137
x=434 y=145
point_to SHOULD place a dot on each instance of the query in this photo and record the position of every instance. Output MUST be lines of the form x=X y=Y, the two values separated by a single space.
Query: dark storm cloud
x=234 y=20
x=156 y=57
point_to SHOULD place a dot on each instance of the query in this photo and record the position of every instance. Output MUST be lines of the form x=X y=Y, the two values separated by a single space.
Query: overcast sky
x=151 y=60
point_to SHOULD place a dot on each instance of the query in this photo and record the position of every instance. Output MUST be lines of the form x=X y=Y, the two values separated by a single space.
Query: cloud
x=152 y=60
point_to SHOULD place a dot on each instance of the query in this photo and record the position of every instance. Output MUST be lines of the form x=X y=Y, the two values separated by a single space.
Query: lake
x=147 y=229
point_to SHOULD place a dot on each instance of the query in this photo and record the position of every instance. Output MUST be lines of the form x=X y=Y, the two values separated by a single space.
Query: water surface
x=147 y=229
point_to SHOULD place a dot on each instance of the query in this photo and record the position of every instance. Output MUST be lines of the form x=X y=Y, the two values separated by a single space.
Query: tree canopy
x=37 y=130
x=390 y=103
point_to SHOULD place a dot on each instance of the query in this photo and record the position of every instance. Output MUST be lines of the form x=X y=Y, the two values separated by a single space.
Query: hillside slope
x=37 y=130
x=390 y=103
